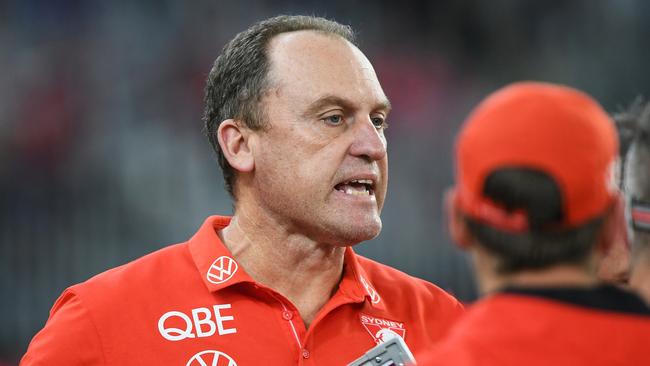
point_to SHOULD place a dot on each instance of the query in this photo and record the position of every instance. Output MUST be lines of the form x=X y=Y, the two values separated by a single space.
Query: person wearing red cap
x=634 y=134
x=536 y=205
x=296 y=116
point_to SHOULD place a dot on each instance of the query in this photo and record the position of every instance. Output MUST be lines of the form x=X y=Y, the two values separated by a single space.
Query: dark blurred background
x=102 y=157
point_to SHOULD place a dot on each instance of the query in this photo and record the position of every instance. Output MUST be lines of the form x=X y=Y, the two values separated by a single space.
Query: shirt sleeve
x=68 y=338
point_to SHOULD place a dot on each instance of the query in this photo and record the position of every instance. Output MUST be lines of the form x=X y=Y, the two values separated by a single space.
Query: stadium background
x=102 y=157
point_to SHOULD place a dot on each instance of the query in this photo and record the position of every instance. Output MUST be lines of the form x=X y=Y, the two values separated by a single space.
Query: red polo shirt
x=192 y=304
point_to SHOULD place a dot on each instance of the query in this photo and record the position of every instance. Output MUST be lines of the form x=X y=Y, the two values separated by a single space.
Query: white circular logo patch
x=211 y=358
x=221 y=270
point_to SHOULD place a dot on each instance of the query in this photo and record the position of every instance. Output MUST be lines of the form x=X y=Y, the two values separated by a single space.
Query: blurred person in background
x=634 y=131
x=296 y=116
x=614 y=267
x=536 y=205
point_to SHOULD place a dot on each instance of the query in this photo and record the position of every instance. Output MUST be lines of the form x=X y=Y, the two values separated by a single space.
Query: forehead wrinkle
x=305 y=52
x=296 y=57
x=325 y=101
x=333 y=100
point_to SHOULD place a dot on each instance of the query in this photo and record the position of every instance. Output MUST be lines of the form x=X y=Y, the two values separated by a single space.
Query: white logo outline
x=222 y=270
x=199 y=357
x=385 y=334
x=382 y=329
x=374 y=295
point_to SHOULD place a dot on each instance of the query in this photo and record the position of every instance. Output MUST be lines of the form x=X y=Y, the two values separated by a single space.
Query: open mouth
x=357 y=187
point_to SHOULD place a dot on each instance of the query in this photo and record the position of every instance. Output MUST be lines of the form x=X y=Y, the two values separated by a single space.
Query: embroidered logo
x=382 y=330
x=221 y=270
x=211 y=358
x=374 y=296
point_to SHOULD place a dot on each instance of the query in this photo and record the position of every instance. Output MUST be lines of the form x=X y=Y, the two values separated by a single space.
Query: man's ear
x=234 y=139
x=614 y=231
x=455 y=222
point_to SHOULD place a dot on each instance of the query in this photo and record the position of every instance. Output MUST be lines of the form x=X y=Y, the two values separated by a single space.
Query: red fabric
x=115 y=317
x=522 y=330
x=558 y=130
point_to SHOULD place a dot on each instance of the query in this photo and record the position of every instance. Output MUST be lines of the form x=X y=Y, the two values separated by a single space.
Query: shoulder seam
x=92 y=321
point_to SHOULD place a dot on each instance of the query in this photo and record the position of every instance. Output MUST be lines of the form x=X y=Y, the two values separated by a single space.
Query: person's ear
x=455 y=222
x=235 y=141
x=614 y=231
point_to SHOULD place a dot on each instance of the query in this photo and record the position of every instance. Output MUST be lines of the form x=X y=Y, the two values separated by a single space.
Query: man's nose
x=369 y=142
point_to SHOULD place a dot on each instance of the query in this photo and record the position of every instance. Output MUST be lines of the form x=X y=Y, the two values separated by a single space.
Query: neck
x=305 y=272
x=640 y=277
x=491 y=280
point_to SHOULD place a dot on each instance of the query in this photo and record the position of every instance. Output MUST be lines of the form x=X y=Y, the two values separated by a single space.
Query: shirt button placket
x=305 y=353
x=287 y=315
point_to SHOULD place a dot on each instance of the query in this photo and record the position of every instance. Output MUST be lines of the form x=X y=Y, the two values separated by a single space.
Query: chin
x=356 y=233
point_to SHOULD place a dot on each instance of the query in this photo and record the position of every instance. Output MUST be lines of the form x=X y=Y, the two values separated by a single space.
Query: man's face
x=321 y=166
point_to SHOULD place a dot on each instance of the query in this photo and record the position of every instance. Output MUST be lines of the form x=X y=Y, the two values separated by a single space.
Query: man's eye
x=334 y=119
x=379 y=123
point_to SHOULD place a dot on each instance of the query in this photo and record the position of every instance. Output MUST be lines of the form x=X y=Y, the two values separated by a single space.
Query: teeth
x=357 y=187
x=354 y=192
x=361 y=181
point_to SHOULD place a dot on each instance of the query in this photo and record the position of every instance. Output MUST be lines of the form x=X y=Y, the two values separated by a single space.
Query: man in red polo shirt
x=296 y=115
x=536 y=205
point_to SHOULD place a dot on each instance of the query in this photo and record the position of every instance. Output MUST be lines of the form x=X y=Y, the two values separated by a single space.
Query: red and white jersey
x=192 y=304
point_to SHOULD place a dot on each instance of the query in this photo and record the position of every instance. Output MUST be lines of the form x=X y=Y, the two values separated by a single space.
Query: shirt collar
x=219 y=269
x=356 y=283
x=216 y=265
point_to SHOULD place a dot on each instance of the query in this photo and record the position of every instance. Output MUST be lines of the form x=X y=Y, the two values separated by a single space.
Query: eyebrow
x=329 y=100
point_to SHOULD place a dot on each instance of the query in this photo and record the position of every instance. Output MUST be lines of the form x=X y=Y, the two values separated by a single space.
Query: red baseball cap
x=555 y=129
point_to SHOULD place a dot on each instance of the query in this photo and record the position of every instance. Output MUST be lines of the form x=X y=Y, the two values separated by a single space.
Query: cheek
x=380 y=190
x=273 y=164
x=383 y=168
x=287 y=168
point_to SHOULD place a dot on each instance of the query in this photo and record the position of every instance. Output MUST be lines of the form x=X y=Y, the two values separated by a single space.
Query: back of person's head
x=634 y=133
x=534 y=167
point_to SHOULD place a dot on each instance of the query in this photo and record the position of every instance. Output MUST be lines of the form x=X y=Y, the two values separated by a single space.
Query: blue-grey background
x=102 y=157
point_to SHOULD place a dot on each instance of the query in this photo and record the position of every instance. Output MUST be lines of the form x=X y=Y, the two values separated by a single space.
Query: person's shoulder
x=395 y=283
x=457 y=354
x=150 y=271
x=69 y=337
x=125 y=299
